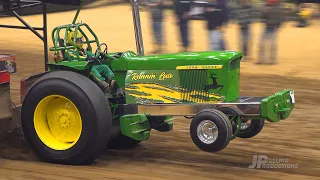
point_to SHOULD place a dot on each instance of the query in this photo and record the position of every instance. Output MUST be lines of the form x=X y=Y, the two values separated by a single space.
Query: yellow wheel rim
x=57 y=122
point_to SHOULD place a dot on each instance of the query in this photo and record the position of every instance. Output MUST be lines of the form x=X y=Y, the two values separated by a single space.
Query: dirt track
x=173 y=155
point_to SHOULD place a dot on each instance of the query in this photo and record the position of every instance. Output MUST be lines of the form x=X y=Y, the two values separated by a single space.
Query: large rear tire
x=66 y=119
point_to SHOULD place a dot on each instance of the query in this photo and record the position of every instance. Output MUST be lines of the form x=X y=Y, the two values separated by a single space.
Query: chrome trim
x=137 y=27
x=245 y=126
x=207 y=132
x=249 y=106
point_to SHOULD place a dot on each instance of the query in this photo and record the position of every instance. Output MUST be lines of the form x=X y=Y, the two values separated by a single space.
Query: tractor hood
x=131 y=61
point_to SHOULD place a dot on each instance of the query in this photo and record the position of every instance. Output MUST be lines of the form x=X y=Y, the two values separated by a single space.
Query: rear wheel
x=66 y=118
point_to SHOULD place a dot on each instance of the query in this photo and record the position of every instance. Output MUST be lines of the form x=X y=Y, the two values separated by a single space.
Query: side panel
x=152 y=86
x=169 y=86
x=233 y=80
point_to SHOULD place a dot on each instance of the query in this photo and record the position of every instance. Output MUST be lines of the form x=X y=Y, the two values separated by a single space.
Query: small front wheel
x=251 y=128
x=211 y=130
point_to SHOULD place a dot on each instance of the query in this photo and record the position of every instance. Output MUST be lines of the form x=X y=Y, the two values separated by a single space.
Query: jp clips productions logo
x=264 y=162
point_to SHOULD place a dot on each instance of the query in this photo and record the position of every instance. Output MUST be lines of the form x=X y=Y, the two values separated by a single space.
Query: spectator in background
x=304 y=15
x=156 y=8
x=244 y=17
x=182 y=10
x=224 y=6
x=214 y=15
x=272 y=16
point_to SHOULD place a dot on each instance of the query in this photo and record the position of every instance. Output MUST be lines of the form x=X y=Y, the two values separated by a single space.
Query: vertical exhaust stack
x=137 y=27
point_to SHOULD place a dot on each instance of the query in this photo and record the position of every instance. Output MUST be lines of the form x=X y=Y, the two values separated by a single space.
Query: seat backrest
x=61 y=44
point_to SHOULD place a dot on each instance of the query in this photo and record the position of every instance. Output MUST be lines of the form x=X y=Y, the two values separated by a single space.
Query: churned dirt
x=173 y=155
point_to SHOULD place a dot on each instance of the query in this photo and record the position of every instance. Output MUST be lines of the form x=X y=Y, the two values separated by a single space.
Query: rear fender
x=25 y=84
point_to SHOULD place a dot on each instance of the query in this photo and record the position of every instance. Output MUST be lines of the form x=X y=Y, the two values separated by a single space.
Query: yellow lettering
x=136 y=76
x=164 y=76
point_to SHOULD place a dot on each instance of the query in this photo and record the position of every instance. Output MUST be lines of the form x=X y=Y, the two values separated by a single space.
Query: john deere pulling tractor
x=66 y=118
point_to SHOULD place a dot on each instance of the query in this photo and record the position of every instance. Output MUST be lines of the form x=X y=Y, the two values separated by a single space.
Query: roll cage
x=60 y=44
x=55 y=37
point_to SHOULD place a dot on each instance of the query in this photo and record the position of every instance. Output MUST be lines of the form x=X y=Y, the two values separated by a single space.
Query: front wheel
x=211 y=130
x=66 y=119
x=251 y=128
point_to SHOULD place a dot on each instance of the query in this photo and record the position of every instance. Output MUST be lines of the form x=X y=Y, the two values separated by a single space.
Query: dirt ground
x=173 y=155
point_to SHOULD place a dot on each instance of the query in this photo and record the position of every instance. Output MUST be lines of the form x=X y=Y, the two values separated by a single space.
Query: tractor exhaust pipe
x=137 y=27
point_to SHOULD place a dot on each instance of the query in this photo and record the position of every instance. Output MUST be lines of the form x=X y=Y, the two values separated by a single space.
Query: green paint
x=131 y=61
x=155 y=76
x=162 y=69
x=130 y=70
x=65 y=29
x=135 y=126
x=277 y=107
x=166 y=126
x=183 y=82
x=77 y=65
x=232 y=80
x=238 y=126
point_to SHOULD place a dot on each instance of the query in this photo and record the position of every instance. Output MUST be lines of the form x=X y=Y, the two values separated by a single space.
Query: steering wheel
x=100 y=57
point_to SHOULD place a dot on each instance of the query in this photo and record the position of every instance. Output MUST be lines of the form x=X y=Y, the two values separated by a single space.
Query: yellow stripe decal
x=199 y=67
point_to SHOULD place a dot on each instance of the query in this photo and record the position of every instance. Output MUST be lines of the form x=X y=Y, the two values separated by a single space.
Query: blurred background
x=278 y=37
x=280 y=40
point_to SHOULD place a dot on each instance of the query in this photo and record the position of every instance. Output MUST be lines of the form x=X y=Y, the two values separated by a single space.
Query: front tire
x=219 y=131
x=66 y=119
x=232 y=111
x=251 y=129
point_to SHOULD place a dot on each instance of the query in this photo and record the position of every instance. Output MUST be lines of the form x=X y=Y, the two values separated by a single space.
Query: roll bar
x=30 y=3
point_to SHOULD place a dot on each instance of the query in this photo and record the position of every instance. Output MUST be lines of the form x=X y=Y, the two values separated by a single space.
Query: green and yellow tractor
x=67 y=118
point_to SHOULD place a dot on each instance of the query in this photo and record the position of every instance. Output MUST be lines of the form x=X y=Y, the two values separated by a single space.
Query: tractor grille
x=193 y=84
